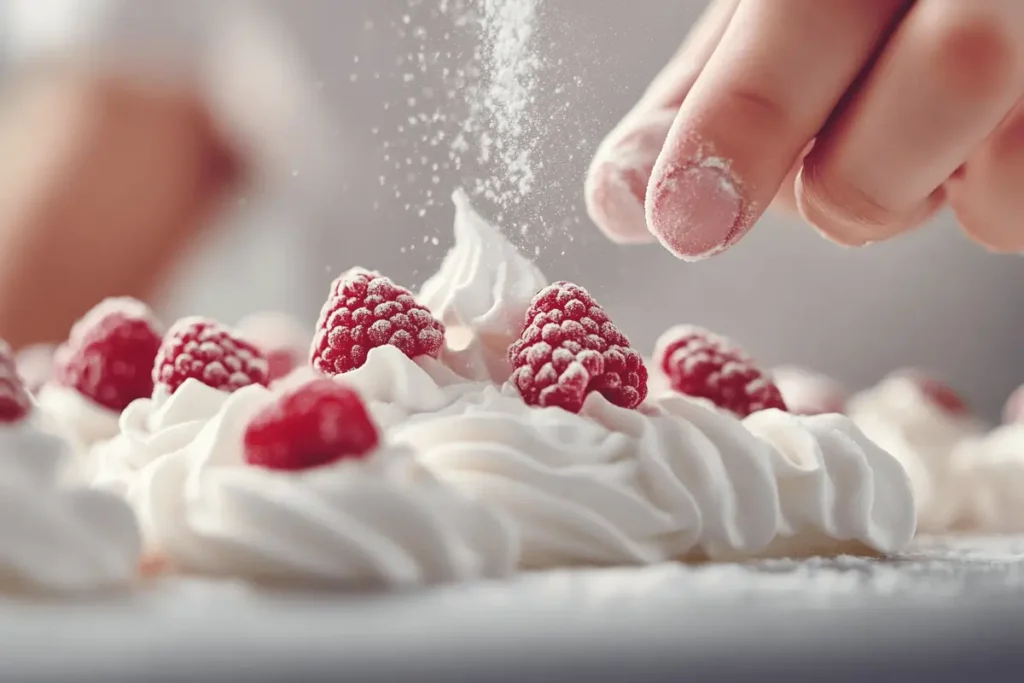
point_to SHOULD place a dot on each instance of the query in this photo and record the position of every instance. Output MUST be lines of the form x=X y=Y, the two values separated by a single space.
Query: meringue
x=396 y=387
x=79 y=419
x=481 y=294
x=990 y=470
x=898 y=416
x=384 y=520
x=616 y=486
x=54 y=537
x=150 y=428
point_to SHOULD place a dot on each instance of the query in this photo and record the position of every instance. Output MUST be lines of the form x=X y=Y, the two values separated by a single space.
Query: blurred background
x=364 y=99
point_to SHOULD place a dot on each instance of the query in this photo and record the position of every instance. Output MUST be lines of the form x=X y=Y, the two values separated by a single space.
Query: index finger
x=780 y=70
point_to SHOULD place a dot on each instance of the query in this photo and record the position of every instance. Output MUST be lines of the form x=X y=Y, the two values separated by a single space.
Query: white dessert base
x=936 y=601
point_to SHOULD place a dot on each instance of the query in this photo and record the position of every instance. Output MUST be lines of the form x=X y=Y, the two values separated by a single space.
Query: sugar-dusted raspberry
x=205 y=350
x=705 y=365
x=938 y=392
x=570 y=348
x=366 y=310
x=1013 y=411
x=109 y=355
x=15 y=403
x=315 y=424
x=806 y=392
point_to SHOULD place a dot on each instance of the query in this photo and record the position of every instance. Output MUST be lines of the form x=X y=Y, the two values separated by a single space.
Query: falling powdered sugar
x=511 y=73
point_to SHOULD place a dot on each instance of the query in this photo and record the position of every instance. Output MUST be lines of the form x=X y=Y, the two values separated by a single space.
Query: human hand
x=866 y=116
x=105 y=180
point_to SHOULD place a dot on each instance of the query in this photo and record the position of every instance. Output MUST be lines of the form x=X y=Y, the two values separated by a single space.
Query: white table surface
x=950 y=609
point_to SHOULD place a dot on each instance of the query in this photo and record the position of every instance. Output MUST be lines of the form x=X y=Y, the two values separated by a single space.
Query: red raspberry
x=366 y=310
x=205 y=350
x=15 y=403
x=705 y=365
x=280 y=363
x=570 y=348
x=939 y=393
x=318 y=423
x=109 y=355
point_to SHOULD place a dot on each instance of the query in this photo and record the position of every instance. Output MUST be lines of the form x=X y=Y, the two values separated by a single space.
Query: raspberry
x=705 y=365
x=205 y=350
x=318 y=423
x=366 y=310
x=15 y=403
x=280 y=363
x=939 y=393
x=109 y=355
x=570 y=348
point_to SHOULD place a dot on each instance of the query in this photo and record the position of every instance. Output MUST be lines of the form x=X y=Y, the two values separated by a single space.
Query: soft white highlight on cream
x=82 y=421
x=900 y=418
x=57 y=537
x=150 y=428
x=990 y=471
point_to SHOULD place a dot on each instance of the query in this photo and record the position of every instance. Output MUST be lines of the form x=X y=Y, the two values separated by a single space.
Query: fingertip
x=617 y=180
x=614 y=201
x=696 y=207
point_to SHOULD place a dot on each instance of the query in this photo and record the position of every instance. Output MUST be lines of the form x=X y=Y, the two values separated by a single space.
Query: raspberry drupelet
x=570 y=348
x=315 y=424
x=205 y=350
x=366 y=310
x=705 y=365
x=109 y=355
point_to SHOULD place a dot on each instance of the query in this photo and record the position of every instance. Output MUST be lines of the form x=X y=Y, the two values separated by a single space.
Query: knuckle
x=975 y=57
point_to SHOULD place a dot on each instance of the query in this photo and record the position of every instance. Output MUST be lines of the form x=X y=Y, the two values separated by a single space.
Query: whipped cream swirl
x=149 y=429
x=396 y=387
x=481 y=294
x=990 y=472
x=79 y=419
x=381 y=520
x=901 y=418
x=54 y=537
x=683 y=481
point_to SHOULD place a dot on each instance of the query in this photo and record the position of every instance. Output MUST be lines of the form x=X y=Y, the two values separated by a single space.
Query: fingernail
x=696 y=210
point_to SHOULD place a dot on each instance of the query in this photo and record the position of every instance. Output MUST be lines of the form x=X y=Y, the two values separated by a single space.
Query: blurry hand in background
x=104 y=181
x=865 y=116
